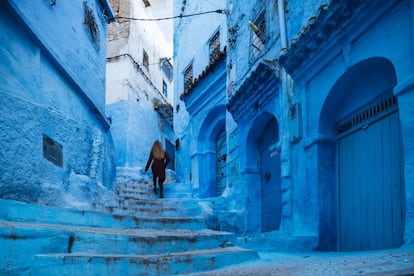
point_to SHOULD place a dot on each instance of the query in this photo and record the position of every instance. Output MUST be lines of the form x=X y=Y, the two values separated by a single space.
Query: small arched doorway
x=211 y=148
x=361 y=115
x=263 y=167
x=269 y=163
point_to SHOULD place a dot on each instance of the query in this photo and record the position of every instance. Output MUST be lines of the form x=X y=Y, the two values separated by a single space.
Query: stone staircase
x=139 y=235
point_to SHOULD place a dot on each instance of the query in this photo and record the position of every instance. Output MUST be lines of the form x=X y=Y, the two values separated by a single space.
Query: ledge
x=255 y=91
x=327 y=23
x=209 y=69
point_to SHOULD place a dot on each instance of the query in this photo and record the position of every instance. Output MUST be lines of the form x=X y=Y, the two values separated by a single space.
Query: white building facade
x=139 y=91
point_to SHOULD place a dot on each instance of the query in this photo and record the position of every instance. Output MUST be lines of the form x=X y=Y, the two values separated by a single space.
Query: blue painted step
x=140 y=235
x=144 y=189
x=161 y=264
x=40 y=240
x=31 y=238
x=157 y=207
x=17 y=211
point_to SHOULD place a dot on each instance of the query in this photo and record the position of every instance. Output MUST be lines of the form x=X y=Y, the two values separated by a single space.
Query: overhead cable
x=224 y=11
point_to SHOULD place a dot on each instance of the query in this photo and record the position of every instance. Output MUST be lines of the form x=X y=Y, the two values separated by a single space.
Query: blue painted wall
x=255 y=98
x=135 y=127
x=321 y=65
x=191 y=46
x=52 y=78
x=336 y=75
x=206 y=105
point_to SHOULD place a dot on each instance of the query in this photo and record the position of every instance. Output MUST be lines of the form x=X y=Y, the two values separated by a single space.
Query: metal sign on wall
x=52 y=151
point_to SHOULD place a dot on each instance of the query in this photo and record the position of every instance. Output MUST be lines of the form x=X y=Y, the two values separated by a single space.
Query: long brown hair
x=157 y=150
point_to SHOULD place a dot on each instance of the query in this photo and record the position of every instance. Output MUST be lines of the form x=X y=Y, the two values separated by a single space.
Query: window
x=145 y=59
x=188 y=77
x=259 y=33
x=164 y=88
x=215 y=47
x=260 y=22
x=167 y=68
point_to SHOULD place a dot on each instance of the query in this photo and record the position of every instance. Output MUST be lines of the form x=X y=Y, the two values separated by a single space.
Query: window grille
x=215 y=48
x=259 y=34
x=167 y=68
x=261 y=25
x=90 y=24
x=164 y=89
x=188 y=77
x=145 y=59
x=368 y=114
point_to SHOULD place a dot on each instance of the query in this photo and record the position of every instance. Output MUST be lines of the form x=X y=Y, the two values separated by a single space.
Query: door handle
x=267 y=176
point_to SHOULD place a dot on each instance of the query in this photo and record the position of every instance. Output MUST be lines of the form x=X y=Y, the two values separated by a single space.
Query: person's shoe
x=161 y=196
x=155 y=190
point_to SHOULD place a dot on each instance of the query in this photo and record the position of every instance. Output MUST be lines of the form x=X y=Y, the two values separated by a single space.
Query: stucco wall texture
x=52 y=101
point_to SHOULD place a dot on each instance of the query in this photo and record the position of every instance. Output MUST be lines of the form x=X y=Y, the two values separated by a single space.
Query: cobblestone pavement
x=384 y=262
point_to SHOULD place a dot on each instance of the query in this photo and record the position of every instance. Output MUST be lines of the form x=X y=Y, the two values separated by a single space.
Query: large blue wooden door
x=221 y=161
x=371 y=193
x=270 y=183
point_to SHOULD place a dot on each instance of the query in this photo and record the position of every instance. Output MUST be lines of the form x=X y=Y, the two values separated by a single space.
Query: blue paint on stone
x=51 y=88
x=341 y=57
x=337 y=63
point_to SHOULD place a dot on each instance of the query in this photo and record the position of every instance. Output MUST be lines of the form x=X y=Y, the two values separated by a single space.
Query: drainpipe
x=284 y=44
x=286 y=101
x=282 y=23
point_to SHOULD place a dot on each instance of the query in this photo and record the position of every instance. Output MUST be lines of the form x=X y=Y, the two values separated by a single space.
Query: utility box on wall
x=52 y=151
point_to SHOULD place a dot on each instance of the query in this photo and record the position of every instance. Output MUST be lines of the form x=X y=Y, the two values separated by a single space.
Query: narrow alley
x=215 y=137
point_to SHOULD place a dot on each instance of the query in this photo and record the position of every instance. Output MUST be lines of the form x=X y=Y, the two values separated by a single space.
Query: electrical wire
x=223 y=11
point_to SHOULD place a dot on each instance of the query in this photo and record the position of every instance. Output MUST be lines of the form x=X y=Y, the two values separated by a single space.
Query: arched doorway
x=263 y=165
x=269 y=162
x=361 y=115
x=211 y=153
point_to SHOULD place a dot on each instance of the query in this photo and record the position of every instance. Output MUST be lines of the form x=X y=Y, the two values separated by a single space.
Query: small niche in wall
x=177 y=144
x=52 y=151
x=295 y=123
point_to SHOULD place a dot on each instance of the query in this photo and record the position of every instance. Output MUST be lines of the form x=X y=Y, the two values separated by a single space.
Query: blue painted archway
x=360 y=119
x=210 y=129
x=262 y=174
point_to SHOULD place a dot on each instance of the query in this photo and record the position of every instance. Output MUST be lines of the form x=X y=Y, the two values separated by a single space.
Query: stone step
x=149 y=184
x=159 y=264
x=149 y=193
x=23 y=212
x=274 y=241
x=139 y=235
x=26 y=212
x=127 y=174
x=150 y=211
x=48 y=238
x=152 y=195
x=146 y=190
x=160 y=203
